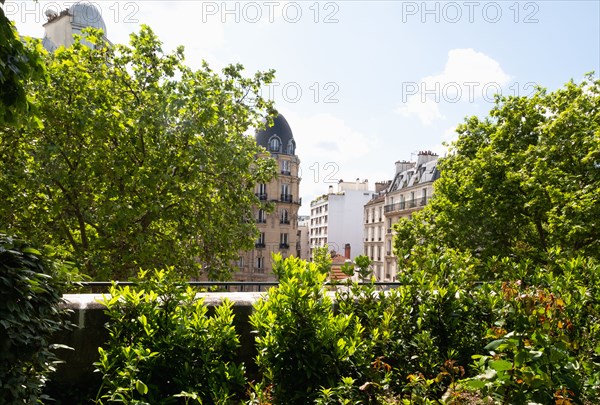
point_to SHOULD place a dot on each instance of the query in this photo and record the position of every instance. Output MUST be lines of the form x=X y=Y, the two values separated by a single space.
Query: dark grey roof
x=277 y=138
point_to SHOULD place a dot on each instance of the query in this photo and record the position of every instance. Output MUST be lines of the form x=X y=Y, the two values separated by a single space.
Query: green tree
x=18 y=63
x=520 y=183
x=135 y=160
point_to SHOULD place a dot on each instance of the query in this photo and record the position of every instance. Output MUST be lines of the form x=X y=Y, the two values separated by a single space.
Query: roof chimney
x=347 y=251
x=403 y=165
x=426 y=156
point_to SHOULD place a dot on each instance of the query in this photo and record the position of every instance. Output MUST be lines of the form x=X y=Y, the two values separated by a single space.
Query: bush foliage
x=31 y=285
x=164 y=347
x=439 y=338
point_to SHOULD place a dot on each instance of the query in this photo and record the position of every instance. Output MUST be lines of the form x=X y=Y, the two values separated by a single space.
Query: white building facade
x=336 y=218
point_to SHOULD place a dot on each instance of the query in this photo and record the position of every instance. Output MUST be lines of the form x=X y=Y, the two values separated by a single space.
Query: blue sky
x=366 y=83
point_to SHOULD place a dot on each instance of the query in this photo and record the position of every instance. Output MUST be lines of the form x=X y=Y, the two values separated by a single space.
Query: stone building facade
x=278 y=228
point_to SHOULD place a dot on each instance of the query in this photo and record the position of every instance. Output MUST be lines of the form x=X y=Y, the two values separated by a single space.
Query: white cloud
x=424 y=108
x=467 y=76
x=330 y=150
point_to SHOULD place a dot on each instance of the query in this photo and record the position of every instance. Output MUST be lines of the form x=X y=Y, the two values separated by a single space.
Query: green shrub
x=164 y=348
x=303 y=346
x=545 y=344
x=30 y=313
x=422 y=335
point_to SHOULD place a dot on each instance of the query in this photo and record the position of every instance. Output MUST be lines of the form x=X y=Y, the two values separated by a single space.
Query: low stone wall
x=77 y=373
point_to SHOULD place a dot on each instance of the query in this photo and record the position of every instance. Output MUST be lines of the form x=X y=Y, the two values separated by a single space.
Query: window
x=291 y=147
x=262 y=191
x=285 y=193
x=275 y=144
x=262 y=217
x=283 y=241
x=285 y=167
x=260 y=264
x=285 y=217
x=260 y=242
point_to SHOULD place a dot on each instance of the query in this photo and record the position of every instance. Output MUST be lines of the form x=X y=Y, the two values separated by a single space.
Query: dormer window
x=291 y=147
x=275 y=144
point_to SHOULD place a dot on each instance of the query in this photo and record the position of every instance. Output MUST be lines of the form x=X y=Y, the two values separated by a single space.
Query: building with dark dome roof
x=279 y=231
x=277 y=138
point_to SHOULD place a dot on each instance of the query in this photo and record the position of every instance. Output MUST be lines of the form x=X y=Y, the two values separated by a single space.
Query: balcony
x=261 y=220
x=259 y=245
x=259 y=270
x=284 y=221
x=394 y=207
x=389 y=230
x=286 y=172
x=284 y=246
x=408 y=204
x=262 y=196
x=285 y=198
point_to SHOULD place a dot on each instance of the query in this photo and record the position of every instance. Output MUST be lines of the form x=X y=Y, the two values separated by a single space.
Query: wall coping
x=94 y=301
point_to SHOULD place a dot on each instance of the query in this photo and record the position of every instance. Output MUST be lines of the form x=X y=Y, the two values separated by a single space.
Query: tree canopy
x=135 y=160
x=522 y=183
x=18 y=63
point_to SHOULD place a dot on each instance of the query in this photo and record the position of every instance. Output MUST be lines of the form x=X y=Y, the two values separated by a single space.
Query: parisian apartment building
x=278 y=228
x=335 y=218
x=409 y=191
x=374 y=229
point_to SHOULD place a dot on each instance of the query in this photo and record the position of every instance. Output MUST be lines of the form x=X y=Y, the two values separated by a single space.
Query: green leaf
x=494 y=344
x=500 y=365
x=141 y=387
x=474 y=384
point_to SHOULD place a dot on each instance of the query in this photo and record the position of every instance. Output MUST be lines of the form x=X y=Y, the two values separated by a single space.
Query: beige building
x=410 y=190
x=279 y=232
x=303 y=246
x=374 y=226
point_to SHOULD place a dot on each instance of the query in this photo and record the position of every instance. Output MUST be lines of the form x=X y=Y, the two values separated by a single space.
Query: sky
x=366 y=83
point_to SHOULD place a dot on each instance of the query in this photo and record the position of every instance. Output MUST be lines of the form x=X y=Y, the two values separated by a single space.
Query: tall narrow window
x=260 y=264
x=275 y=144
x=260 y=243
x=262 y=191
x=285 y=193
x=283 y=241
x=285 y=167
x=285 y=216
x=291 y=147
x=262 y=217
